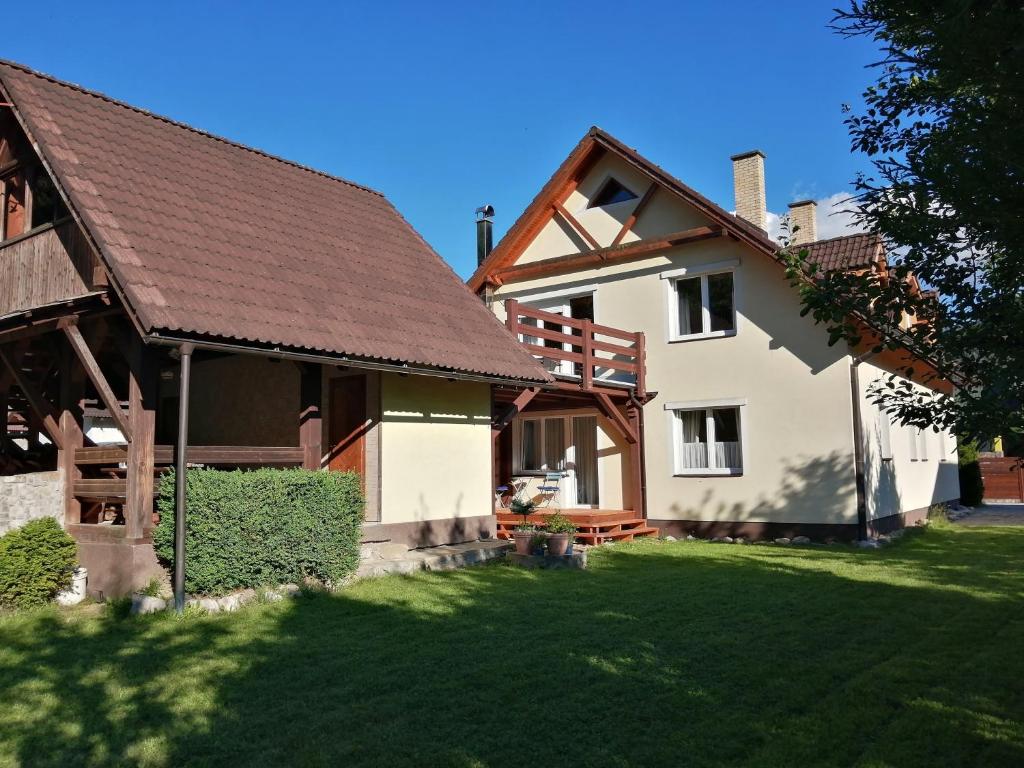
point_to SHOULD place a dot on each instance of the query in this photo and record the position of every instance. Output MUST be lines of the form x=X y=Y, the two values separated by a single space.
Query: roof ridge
x=842 y=237
x=185 y=126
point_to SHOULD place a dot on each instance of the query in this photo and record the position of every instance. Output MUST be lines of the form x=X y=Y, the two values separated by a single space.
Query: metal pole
x=179 y=480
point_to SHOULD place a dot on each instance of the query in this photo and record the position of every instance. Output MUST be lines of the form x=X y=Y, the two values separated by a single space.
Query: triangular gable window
x=612 y=192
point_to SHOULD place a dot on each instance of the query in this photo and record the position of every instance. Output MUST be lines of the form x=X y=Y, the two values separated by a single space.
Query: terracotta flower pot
x=558 y=544
x=523 y=539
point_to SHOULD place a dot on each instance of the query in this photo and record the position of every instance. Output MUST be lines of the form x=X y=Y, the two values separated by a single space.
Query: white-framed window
x=707 y=438
x=918 y=444
x=541 y=445
x=884 y=436
x=702 y=302
x=944 y=450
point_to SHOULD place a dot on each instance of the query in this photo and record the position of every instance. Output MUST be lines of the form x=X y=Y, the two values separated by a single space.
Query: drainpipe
x=858 y=446
x=179 y=479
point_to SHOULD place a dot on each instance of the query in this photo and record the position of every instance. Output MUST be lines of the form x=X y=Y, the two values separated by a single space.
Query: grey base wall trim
x=707 y=529
x=902 y=520
x=432 y=533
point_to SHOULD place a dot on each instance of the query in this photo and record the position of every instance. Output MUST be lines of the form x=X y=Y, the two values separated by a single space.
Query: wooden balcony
x=580 y=349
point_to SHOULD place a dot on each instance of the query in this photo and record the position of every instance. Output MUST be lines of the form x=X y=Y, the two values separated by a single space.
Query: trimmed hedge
x=972 y=486
x=263 y=527
x=36 y=562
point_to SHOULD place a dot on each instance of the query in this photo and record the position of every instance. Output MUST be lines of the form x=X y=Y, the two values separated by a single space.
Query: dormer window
x=612 y=192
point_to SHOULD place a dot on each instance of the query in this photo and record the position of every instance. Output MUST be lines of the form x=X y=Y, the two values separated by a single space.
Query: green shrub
x=972 y=487
x=264 y=526
x=36 y=562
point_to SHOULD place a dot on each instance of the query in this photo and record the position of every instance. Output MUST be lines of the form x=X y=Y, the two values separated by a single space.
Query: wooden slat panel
x=52 y=264
x=104 y=488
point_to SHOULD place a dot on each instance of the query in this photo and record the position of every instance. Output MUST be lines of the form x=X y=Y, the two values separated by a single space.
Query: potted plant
x=525 y=532
x=537 y=543
x=560 y=532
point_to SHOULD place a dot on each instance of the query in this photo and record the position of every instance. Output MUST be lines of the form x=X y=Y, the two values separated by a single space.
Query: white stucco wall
x=905 y=482
x=435 y=449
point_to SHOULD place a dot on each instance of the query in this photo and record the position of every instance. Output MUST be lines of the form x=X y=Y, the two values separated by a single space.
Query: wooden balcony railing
x=580 y=348
x=112 y=484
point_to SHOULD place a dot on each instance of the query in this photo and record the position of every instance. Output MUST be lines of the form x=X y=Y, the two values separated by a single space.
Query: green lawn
x=660 y=654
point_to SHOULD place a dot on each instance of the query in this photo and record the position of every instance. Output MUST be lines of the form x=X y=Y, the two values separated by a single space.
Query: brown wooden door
x=348 y=425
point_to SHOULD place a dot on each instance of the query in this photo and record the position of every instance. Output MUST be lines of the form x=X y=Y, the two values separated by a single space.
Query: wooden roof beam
x=631 y=221
x=42 y=407
x=599 y=256
x=95 y=374
x=575 y=224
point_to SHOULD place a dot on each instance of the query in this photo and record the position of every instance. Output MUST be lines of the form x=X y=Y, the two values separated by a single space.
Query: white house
x=747 y=418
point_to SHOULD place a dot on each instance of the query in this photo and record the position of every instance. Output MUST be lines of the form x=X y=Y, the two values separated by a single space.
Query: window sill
x=708 y=473
x=702 y=336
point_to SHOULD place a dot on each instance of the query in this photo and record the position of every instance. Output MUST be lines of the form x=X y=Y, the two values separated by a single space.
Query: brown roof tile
x=844 y=252
x=208 y=237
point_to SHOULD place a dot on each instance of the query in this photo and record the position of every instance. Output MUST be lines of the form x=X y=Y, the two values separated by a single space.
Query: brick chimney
x=748 y=183
x=802 y=218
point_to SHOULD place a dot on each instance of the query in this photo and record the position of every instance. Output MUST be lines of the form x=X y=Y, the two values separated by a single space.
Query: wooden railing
x=112 y=485
x=223 y=455
x=578 y=344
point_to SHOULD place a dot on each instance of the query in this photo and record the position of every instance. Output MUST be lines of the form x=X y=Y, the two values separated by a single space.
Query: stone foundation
x=30 y=497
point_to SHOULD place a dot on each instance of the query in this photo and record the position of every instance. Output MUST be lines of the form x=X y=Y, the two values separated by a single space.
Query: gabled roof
x=592 y=147
x=207 y=238
x=857 y=251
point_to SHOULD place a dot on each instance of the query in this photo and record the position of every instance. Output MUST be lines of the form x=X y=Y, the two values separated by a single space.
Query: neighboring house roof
x=205 y=237
x=590 y=148
x=857 y=251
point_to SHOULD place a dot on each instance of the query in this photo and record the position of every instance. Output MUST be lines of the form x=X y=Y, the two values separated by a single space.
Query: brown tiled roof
x=844 y=252
x=210 y=238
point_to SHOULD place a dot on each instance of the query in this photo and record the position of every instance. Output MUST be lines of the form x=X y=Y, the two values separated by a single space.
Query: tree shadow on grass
x=661 y=654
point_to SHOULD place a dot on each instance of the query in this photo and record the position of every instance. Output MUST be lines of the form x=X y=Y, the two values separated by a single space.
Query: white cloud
x=835 y=217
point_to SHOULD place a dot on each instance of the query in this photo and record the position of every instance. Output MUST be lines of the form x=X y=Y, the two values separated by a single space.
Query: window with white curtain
x=707 y=440
x=542 y=444
x=704 y=306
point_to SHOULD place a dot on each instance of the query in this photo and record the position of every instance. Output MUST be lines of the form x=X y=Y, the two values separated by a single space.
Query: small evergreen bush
x=972 y=487
x=36 y=562
x=263 y=526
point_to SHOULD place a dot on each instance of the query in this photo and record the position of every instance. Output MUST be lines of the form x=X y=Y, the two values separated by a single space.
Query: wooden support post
x=608 y=409
x=310 y=418
x=631 y=220
x=5 y=392
x=575 y=224
x=142 y=395
x=512 y=317
x=587 y=345
x=636 y=460
x=72 y=385
x=41 y=407
x=517 y=406
x=92 y=369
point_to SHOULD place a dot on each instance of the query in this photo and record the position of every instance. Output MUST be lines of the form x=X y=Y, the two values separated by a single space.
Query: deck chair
x=504 y=495
x=549 y=490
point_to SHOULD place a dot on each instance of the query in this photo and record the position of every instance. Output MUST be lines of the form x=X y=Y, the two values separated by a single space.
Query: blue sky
x=445 y=106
